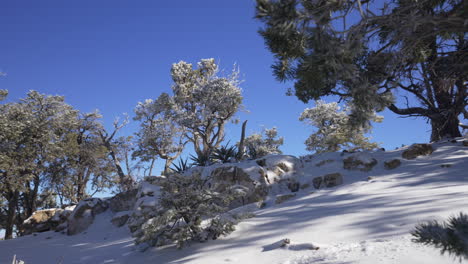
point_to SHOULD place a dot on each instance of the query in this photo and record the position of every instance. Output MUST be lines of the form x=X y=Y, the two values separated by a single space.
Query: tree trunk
x=444 y=127
x=11 y=213
x=241 y=150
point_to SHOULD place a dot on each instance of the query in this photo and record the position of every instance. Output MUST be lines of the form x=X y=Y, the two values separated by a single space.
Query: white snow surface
x=365 y=220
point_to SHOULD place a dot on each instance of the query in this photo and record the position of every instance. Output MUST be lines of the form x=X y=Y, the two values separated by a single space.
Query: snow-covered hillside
x=367 y=219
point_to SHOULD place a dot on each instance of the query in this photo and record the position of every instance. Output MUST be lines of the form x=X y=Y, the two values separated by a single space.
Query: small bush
x=450 y=236
x=189 y=210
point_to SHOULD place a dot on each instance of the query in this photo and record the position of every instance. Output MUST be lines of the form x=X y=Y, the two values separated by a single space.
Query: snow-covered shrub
x=334 y=130
x=259 y=146
x=189 y=210
x=451 y=236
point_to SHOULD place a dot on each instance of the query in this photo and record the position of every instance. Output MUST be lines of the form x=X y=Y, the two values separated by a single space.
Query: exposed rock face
x=121 y=218
x=317 y=182
x=123 y=201
x=392 y=164
x=417 y=150
x=226 y=176
x=361 y=161
x=46 y=220
x=83 y=215
x=333 y=179
x=282 y=198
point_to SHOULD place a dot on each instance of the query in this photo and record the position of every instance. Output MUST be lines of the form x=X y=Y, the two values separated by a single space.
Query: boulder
x=83 y=215
x=417 y=150
x=293 y=186
x=227 y=176
x=41 y=221
x=123 y=201
x=333 y=179
x=121 y=218
x=360 y=161
x=317 y=182
x=261 y=162
x=392 y=164
x=465 y=143
x=283 y=197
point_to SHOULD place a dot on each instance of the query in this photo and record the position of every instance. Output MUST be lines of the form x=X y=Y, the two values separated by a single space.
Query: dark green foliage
x=190 y=210
x=225 y=153
x=181 y=166
x=451 y=236
x=366 y=52
x=201 y=159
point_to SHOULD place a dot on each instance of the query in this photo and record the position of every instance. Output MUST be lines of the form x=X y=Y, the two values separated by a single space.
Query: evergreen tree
x=259 y=145
x=451 y=236
x=333 y=130
x=368 y=52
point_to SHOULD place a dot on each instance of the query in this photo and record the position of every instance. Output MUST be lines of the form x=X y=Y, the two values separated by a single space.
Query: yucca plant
x=181 y=166
x=201 y=159
x=225 y=153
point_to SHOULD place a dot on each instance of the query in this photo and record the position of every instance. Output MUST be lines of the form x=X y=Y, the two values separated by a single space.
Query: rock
x=333 y=179
x=446 y=165
x=83 y=215
x=317 y=182
x=305 y=186
x=392 y=164
x=283 y=167
x=123 y=201
x=227 y=176
x=417 y=150
x=465 y=143
x=293 y=186
x=121 y=219
x=41 y=221
x=370 y=178
x=360 y=161
x=323 y=162
x=283 y=197
x=261 y=162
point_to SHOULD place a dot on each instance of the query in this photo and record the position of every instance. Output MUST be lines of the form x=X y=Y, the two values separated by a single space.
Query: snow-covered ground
x=365 y=220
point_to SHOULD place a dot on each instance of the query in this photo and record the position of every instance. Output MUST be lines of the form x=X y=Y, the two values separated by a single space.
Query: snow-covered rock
x=83 y=215
x=362 y=161
x=417 y=150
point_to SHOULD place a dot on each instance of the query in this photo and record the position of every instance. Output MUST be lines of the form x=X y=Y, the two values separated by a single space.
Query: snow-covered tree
x=204 y=102
x=201 y=105
x=370 y=53
x=159 y=135
x=189 y=210
x=259 y=145
x=334 y=131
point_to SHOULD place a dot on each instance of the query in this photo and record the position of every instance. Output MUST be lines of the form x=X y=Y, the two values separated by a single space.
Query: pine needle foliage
x=189 y=210
x=450 y=236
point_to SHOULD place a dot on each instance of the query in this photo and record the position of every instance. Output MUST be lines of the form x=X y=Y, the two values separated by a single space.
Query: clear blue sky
x=110 y=54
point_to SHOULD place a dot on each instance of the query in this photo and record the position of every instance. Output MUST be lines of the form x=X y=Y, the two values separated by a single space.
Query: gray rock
x=392 y=164
x=284 y=197
x=333 y=179
x=83 y=215
x=120 y=219
x=356 y=163
x=317 y=182
x=123 y=201
x=417 y=150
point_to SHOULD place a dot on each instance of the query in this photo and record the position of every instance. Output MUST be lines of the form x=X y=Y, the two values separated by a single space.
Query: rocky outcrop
x=392 y=164
x=417 y=150
x=46 y=220
x=121 y=218
x=123 y=201
x=84 y=213
x=284 y=197
x=227 y=176
x=333 y=179
x=360 y=161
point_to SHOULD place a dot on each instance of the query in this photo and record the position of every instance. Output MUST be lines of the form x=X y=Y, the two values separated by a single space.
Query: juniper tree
x=333 y=130
x=259 y=145
x=409 y=56
x=201 y=105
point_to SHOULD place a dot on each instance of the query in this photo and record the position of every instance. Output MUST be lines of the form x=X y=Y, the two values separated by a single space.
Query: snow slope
x=365 y=220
